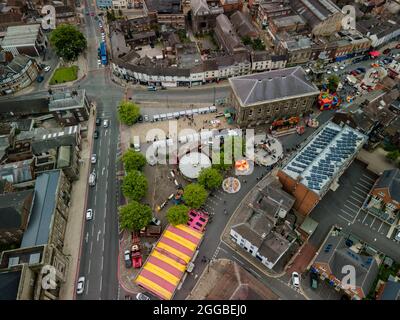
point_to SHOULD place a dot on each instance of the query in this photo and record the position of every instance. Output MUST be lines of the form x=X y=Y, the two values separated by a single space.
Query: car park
x=142 y=296
x=89 y=214
x=92 y=179
x=127 y=259
x=81 y=285
x=295 y=279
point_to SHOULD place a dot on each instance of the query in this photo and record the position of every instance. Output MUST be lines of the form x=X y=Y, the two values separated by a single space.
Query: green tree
x=128 y=112
x=178 y=214
x=393 y=155
x=222 y=165
x=133 y=160
x=134 y=185
x=333 y=82
x=210 y=178
x=134 y=216
x=68 y=42
x=247 y=40
x=195 y=195
x=258 y=44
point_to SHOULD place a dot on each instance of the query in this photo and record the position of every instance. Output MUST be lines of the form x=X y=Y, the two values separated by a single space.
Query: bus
x=103 y=53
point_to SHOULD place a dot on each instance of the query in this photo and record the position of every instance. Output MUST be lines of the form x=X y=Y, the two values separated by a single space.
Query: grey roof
x=227 y=36
x=272 y=85
x=24 y=106
x=199 y=6
x=14 y=67
x=273 y=247
x=390 y=179
x=336 y=254
x=64 y=100
x=40 y=223
x=9 y=283
x=391 y=290
x=164 y=6
x=314 y=11
x=242 y=24
x=286 y=21
x=11 y=209
x=21 y=35
x=64 y=157
x=17 y=172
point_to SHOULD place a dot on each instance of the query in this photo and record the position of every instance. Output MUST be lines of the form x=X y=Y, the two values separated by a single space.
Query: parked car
x=155 y=221
x=47 y=68
x=295 y=279
x=313 y=280
x=81 y=285
x=92 y=179
x=98 y=121
x=106 y=123
x=96 y=134
x=39 y=78
x=146 y=118
x=386 y=51
x=89 y=214
x=127 y=259
x=140 y=119
x=361 y=69
x=142 y=296
x=93 y=158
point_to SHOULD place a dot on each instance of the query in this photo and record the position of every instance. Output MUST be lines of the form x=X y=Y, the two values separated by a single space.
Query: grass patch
x=64 y=74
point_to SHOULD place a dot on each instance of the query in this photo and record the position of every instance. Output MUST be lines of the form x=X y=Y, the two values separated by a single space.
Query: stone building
x=267 y=96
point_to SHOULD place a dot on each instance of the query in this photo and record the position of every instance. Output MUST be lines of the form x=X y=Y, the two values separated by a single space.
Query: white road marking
x=87 y=287
x=351 y=209
x=101 y=283
x=102 y=171
x=356 y=200
x=104 y=227
x=372 y=222
x=359 y=195
x=237 y=260
x=89 y=266
x=344 y=218
x=369 y=184
x=369 y=178
x=92 y=229
x=361 y=190
x=102 y=263
x=366 y=189
x=103 y=245
x=87 y=237
x=98 y=235
x=365 y=218
x=380 y=226
x=346 y=213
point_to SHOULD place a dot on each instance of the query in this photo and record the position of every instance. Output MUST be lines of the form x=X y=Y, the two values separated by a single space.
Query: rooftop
x=21 y=35
x=17 y=172
x=41 y=220
x=64 y=100
x=390 y=179
x=12 y=209
x=9 y=284
x=325 y=156
x=272 y=86
x=164 y=6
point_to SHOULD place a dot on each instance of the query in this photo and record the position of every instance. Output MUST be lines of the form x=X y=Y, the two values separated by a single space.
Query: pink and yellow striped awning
x=167 y=263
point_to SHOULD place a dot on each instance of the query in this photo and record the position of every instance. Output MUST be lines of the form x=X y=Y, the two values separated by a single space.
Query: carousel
x=244 y=167
x=231 y=185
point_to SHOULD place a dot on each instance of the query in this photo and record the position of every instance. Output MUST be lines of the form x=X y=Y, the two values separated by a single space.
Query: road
x=99 y=257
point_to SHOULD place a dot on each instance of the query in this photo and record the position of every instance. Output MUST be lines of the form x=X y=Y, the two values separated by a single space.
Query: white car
x=328 y=71
x=47 y=68
x=295 y=279
x=335 y=69
x=342 y=67
x=81 y=285
x=155 y=221
x=92 y=179
x=142 y=296
x=93 y=158
x=89 y=214
x=106 y=123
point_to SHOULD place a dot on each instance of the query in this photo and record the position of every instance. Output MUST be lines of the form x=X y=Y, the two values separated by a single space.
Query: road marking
x=345 y=212
x=87 y=287
x=89 y=266
x=360 y=185
x=361 y=196
x=365 y=218
x=372 y=222
x=380 y=226
x=344 y=218
x=95 y=195
x=223 y=250
x=98 y=235
x=102 y=171
x=369 y=178
x=102 y=262
x=237 y=260
x=92 y=229
x=351 y=209
x=367 y=182
x=104 y=227
x=356 y=200
x=101 y=283
x=252 y=271
x=103 y=245
x=361 y=190
x=87 y=237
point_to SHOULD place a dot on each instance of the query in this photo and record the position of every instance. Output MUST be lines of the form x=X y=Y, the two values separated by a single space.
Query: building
x=323 y=16
x=120 y=4
x=204 y=16
x=19 y=173
x=391 y=289
x=335 y=254
x=260 y=234
x=384 y=198
x=292 y=23
x=42 y=242
x=226 y=36
x=69 y=108
x=378 y=30
x=243 y=26
x=66 y=15
x=298 y=49
x=266 y=96
x=17 y=74
x=318 y=165
x=104 y=4
x=262 y=61
x=267 y=11
x=15 y=210
x=231 y=6
x=8 y=19
x=25 y=39
x=165 y=12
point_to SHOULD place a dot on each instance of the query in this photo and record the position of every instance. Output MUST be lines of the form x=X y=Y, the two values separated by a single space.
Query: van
x=151 y=88
x=92 y=179
x=135 y=143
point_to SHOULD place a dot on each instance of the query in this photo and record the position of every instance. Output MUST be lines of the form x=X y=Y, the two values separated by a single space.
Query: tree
x=68 y=42
x=333 y=82
x=210 y=178
x=393 y=155
x=247 y=40
x=133 y=160
x=195 y=195
x=128 y=112
x=134 y=185
x=258 y=44
x=222 y=165
x=134 y=216
x=178 y=214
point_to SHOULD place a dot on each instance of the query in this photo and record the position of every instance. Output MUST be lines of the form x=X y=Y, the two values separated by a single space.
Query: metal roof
x=21 y=35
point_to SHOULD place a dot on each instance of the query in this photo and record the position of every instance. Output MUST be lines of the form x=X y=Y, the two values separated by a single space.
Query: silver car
x=81 y=285
x=142 y=296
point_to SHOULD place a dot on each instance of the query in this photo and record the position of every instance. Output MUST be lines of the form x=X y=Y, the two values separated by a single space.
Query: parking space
x=323 y=292
x=372 y=222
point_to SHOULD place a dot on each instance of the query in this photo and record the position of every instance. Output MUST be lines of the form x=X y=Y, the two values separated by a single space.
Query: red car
x=136 y=256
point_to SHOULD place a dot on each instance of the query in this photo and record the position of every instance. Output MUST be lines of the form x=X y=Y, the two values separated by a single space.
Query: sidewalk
x=76 y=218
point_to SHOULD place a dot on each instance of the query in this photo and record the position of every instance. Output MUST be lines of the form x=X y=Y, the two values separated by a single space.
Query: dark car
x=98 y=121
x=386 y=51
x=40 y=78
x=96 y=134
x=127 y=259
x=361 y=69
x=140 y=119
x=313 y=280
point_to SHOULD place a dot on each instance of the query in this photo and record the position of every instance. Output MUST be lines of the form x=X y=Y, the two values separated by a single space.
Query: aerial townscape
x=199 y=150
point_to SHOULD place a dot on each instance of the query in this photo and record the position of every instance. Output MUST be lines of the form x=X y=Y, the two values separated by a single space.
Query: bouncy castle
x=328 y=101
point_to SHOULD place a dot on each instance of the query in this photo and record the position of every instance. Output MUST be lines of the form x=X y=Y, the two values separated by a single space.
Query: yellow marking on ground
x=161 y=273
x=189 y=230
x=168 y=260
